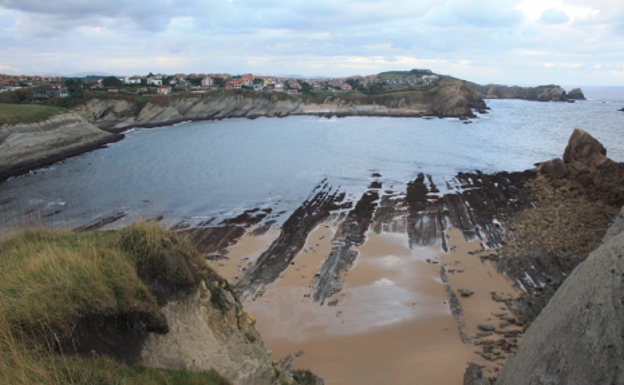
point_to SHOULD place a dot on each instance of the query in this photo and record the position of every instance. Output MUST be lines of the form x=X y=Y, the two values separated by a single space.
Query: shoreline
x=77 y=149
x=119 y=134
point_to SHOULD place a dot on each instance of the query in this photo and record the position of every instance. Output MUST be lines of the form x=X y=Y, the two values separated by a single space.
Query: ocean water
x=206 y=169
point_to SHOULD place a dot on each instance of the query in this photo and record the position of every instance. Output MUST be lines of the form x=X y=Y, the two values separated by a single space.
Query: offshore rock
x=576 y=94
x=577 y=338
x=541 y=93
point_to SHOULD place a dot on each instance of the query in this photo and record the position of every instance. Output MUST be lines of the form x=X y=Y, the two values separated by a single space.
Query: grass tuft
x=51 y=281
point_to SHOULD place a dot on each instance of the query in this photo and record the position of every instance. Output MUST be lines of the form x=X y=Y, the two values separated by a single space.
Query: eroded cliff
x=449 y=98
x=27 y=146
x=210 y=330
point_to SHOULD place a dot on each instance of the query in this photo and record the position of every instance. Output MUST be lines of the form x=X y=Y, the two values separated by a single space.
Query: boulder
x=555 y=169
x=583 y=146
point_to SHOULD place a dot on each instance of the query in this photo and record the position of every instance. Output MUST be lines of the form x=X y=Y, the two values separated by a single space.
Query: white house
x=207 y=82
x=132 y=80
x=152 y=81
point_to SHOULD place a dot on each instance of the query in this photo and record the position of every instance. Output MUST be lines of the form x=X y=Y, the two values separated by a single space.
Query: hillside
x=448 y=98
x=85 y=308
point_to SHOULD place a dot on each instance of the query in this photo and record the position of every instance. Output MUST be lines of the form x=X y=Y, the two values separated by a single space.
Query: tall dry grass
x=49 y=280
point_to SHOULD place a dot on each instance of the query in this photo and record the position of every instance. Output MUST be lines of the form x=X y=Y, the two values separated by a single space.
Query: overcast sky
x=568 y=42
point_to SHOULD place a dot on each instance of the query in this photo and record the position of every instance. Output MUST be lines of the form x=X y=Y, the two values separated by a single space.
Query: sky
x=524 y=42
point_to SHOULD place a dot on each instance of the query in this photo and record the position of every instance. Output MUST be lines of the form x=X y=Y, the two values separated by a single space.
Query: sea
x=216 y=169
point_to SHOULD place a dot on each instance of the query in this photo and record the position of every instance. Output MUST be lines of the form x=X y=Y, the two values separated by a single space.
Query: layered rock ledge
x=450 y=98
x=24 y=147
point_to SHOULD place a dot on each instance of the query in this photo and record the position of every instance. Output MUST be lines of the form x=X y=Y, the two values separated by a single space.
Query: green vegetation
x=26 y=113
x=52 y=281
x=403 y=74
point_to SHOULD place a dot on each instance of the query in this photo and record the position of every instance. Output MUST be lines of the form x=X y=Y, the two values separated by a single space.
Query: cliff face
x=27 y=146
x=574 y=199
x=451 y=98
x=210 y=330
x=570 y=270
x=578 y=339
x=542 y=93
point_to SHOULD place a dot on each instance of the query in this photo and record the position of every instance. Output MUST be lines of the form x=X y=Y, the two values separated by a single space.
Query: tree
x=218 y=82
x=354 y=83
x=111 y=82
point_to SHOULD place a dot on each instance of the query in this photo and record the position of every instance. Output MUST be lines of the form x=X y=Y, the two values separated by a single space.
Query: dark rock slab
x=294 y=233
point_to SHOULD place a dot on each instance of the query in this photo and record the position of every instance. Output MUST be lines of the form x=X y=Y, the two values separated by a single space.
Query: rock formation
x=583 y=146
x=27 y=146
x=573 y=307
x=451 y=98
x=210 y=330
x=576 y=94
x=541 y=93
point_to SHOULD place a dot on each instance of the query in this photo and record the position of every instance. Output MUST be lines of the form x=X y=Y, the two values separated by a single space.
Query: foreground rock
x=210 y=330
x=578 y=339
x=24 y=147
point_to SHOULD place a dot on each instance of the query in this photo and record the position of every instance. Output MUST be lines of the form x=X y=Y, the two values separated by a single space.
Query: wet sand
x=391 y=323
x=243 y=254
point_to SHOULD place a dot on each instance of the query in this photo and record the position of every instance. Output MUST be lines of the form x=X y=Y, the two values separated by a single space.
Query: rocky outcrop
x=210 y=330
x=576 y=202
x=578 y=339
x=541 y=93
x=583 y=146
x=450 y=98
x=575 y=198
x=24 y=147
x=576 y=94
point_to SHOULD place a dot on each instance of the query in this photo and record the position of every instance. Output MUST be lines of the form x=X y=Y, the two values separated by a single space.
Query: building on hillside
x=247 y=79
x=154 y=81
x=428 y=79
x=294 y=84
x=164 y=90
x=97 y=86
x=132 y=80
x=233 y=85
x=207 y=82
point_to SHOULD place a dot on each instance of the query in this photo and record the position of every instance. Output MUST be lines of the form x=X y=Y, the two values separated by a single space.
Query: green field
x=26 y=113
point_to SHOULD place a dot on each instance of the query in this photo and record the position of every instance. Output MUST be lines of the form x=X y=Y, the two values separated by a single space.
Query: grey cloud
x=478 y=13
